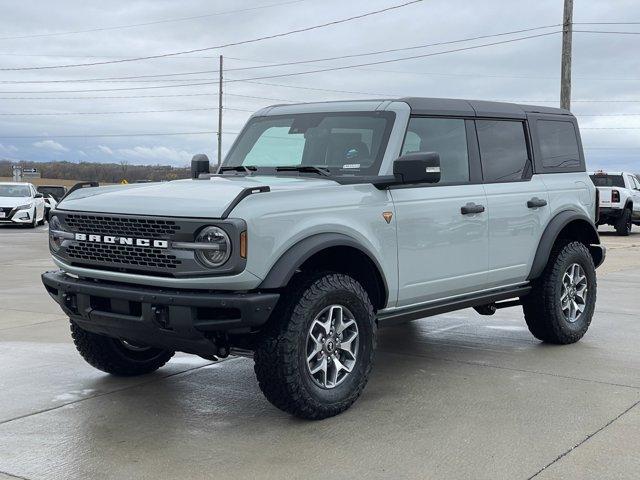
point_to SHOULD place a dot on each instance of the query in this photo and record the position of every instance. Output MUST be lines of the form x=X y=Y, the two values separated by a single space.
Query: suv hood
x=14 y=201
x=206 y=198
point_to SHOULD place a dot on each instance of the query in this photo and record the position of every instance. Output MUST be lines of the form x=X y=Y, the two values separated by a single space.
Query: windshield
x=603 y=180
x=15 y=191
x=55 y=192
x=342 y=143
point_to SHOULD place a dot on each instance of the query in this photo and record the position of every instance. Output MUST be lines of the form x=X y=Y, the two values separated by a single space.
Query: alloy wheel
x=332 y=346
x=573 y=296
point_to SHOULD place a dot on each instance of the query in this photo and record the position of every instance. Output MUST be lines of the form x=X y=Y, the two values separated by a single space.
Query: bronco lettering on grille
x=114 y=240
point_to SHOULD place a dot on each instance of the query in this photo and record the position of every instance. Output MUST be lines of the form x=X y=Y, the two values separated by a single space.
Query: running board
x=415 y=313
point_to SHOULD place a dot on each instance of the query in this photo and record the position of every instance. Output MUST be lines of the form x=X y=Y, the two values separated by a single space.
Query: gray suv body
x=324 y=222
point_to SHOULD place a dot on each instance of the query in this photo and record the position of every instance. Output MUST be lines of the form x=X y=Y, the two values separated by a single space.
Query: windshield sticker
x=351 y=165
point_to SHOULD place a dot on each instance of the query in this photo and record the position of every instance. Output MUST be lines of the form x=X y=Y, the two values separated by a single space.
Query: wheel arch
x=567 y=224
x=334 y=251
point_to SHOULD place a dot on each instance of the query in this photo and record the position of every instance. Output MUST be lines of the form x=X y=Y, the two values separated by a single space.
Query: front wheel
x=316 y=356
x=118 y=357
x=560 y=306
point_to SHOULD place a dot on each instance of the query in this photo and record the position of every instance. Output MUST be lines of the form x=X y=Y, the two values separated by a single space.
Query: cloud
x=105 y=149
x=159 y=154
x=7 y=149
x=51 y=145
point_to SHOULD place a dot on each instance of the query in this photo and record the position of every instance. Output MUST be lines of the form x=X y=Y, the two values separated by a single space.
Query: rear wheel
x=315 y=358
x=116 y=356
x=624 y=223
x=560 y=307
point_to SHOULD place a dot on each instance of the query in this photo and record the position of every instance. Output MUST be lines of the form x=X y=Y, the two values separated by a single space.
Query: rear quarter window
x=558 y=144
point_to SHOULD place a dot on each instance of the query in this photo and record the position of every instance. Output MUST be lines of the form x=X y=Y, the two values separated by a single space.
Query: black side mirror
x=39 y=195
x=421 y=167
x=199 y=165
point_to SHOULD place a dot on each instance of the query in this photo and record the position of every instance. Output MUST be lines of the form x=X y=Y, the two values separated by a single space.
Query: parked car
x=619 y=194
x=55 y=191
x=325 y=222
x=21 y=204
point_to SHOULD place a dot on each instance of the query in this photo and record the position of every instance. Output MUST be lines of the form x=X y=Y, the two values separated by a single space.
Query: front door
x=442 y=230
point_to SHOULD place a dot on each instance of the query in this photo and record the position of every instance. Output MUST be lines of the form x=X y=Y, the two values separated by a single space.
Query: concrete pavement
x=453 y=396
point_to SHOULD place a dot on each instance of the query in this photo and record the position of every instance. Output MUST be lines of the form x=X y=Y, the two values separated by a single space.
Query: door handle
x=536 y=202
x=471 y=208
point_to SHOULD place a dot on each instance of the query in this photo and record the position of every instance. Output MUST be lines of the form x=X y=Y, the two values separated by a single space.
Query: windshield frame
x=372 y=170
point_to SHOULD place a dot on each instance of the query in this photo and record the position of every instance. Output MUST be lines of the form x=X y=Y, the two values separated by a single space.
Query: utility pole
x=565 y=73
x=220 y=113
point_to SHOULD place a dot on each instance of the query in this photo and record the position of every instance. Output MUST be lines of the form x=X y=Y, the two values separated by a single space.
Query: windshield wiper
x=238 y=168
x=305 y=168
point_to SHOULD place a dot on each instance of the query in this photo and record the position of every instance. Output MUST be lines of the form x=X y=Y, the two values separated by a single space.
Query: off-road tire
x=542 y=307
x=280 y=358
x=623 y=224
x=111 y=356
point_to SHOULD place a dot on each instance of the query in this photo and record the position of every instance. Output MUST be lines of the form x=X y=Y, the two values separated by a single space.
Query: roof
x=481 y=108
x=15 y=183
x=419 y=106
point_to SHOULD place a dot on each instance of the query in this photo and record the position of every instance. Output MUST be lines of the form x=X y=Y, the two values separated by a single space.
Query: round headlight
x=55 y=240
x=215 y=248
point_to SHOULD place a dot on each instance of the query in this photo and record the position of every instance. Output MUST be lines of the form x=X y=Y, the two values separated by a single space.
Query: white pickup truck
x=619 y=194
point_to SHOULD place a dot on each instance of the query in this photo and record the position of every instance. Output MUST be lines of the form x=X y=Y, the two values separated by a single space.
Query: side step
x=436 y=308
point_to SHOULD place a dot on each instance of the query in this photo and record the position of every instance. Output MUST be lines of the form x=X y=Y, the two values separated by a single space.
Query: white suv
x=21 y=204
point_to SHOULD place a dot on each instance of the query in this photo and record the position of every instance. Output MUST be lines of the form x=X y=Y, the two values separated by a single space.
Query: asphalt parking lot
x=453 y=396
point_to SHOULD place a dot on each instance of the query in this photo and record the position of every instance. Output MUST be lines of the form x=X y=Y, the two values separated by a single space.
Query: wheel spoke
x=332 y=346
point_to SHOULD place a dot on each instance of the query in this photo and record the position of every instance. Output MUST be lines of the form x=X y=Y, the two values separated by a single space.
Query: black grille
x=121 y=226
x=128 y=256
x=6 y=210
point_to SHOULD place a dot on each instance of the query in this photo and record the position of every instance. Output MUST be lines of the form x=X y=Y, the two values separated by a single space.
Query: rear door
x=517 y=201
x=441 y=250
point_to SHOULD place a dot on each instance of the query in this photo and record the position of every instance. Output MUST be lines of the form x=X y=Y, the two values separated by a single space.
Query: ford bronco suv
x=619 y=198
x=324 y=222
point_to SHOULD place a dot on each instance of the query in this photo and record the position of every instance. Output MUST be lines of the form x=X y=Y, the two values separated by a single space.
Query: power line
x=607 y=32
x=148 y=96
x=289 y=63
x=157 y=22
x=232 y=44
x=122 y=112
x=109 y=135
x=282 y=75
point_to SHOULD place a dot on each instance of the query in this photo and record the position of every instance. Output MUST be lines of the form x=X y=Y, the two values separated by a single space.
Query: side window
x=445 y=136
x=558 y=144
x=503 y=150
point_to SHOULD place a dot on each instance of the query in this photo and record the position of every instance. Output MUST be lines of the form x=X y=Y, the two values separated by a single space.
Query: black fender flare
x=286 y=266
x=550 y=235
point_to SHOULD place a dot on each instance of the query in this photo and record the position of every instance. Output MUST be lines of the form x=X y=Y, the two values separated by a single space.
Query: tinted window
x=604 y=180
x=445 y=136
x=503 y=150
x=558 y=144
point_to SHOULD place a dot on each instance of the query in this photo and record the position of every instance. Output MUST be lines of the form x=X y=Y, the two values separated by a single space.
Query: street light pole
x=220 y=113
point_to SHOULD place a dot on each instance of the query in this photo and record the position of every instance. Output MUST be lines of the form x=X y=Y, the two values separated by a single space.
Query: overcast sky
x=606 y=67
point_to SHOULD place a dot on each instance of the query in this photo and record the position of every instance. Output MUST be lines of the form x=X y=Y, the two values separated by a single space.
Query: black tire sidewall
x=366 y=345
x=582 y=258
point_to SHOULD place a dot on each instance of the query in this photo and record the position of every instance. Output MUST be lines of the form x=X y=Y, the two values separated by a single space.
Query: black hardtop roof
x=475 y=108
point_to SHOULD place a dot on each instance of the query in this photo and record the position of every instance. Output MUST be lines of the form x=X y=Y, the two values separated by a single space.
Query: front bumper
x=172 y=319
x=20 y=217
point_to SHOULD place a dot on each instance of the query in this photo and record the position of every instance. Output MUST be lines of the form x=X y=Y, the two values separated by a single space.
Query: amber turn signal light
x=243 y=244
